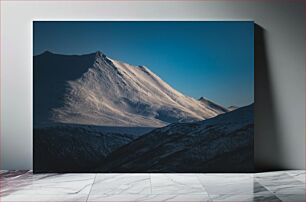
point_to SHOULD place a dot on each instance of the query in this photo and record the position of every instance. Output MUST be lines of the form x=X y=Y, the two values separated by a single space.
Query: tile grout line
x=151 y=182
x=209 y=197
x=271 y=192
x=91 y=188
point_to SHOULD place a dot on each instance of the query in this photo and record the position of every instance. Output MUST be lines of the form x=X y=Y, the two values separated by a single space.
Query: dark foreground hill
x=220 y=144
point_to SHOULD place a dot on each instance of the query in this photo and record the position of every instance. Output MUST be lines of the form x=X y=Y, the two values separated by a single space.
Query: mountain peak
x=232 y=108
x=99 y=54
x=202 y=98
x=213 y=105
x=47 y=52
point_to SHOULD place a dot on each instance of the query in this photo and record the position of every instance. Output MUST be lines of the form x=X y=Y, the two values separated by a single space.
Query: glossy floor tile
x=151 y=198
x=41 y=198
x=235 y=184
x=47 y=184
x=121 y=184
x=298 y=175
x=176 y=184
x=281 y=183
x=280 y=186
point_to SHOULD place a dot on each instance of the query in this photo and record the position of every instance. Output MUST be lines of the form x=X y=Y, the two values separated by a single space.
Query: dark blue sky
x=210 y=59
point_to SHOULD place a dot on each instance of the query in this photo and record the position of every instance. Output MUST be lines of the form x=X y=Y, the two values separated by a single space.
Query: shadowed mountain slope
x=220 y=144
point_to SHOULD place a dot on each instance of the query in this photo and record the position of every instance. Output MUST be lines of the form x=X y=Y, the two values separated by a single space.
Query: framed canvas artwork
x=143 y=96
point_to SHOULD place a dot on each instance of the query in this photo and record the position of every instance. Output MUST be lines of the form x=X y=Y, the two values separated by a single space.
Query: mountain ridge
x=112 y=93
x=203 y=146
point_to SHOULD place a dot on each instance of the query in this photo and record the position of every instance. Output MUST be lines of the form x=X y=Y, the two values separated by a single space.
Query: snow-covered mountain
x=94 y=89
x=220 y=144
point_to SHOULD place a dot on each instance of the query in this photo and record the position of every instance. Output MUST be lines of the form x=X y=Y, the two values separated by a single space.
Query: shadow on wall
x=267 y=140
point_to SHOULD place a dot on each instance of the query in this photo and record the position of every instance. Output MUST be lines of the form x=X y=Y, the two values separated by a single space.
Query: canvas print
x=143 y=96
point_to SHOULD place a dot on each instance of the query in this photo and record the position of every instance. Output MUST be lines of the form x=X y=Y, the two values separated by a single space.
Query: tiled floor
x=273 y=186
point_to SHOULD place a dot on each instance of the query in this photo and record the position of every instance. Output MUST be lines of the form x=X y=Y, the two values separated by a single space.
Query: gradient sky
x=210 y=59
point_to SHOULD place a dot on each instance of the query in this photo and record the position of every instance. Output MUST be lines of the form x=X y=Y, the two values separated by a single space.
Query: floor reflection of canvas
x=126 y=97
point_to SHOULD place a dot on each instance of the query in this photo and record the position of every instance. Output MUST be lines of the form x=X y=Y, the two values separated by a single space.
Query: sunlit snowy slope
x=94 y=89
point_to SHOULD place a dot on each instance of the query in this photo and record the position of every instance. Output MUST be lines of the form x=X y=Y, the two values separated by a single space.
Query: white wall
x=280 y=115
